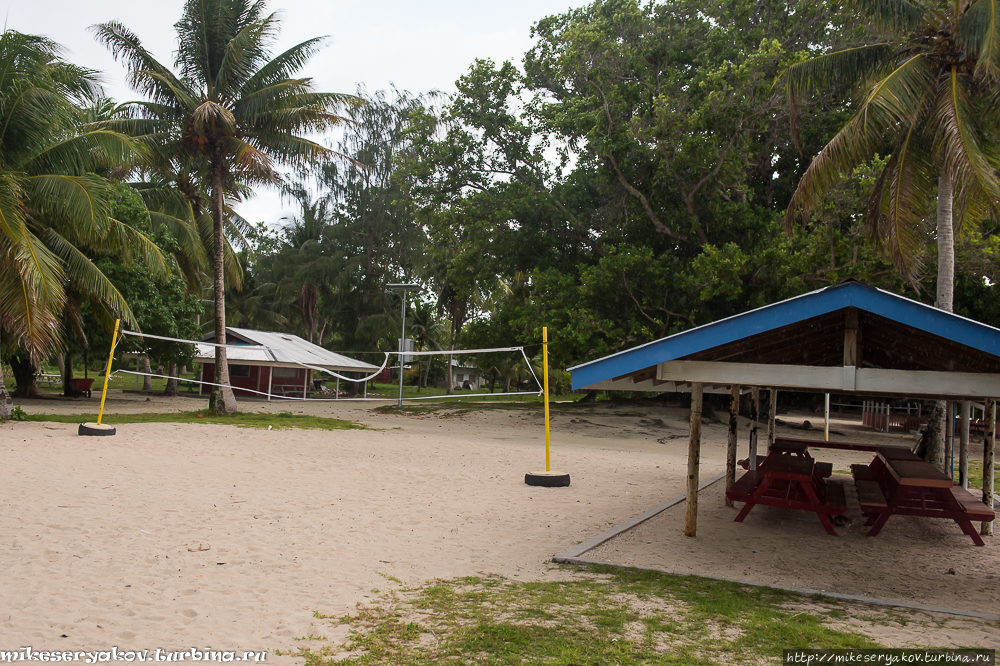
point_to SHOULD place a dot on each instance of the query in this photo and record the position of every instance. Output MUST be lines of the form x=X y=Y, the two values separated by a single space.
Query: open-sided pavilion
x=849 y=339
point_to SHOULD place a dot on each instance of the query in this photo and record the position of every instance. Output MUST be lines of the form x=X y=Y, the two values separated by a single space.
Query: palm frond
x=148 y=76
x=82 y=200
x=89 y=151
x=841 y=69
x=899 y=204
x=956 y=142
x=899 y=17
x=979 y=35
x=87 y=277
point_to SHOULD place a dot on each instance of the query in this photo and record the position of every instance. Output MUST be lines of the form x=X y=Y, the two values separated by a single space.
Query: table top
x=844 y=446
x=790 y=445
x=917 y=473
x=897 y=453
x=785 y=464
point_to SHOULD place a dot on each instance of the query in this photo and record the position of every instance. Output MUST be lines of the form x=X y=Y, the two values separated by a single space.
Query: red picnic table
x=790 y=481
x=905 y=485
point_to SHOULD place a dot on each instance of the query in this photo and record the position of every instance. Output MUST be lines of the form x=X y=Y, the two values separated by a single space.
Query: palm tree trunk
x=222 y=400
x=946 y=245
x=172 y=382
x=147 y=381
x=945 y=301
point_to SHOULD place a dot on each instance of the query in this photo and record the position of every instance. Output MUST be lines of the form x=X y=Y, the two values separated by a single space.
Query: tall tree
x=232 y=111
x=930 y=99
x=54 y=200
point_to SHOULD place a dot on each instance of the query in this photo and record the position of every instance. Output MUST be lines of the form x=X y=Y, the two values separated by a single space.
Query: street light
x=402 y=336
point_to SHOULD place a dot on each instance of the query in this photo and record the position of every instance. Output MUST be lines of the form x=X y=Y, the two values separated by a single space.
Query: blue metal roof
x=829 y=299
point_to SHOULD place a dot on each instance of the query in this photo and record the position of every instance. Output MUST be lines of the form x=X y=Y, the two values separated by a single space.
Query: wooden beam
x=989 y=459
x=757 y=374
x=824 y=379
x=771 y=410
x=852 y=338
x=734 y=426
x=694 y=461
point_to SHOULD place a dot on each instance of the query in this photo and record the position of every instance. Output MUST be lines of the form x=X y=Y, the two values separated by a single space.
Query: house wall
x=257 y=381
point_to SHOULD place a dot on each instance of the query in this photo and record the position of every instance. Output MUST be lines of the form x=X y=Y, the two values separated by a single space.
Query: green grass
x=976 y=473
x=120 y=382
x=279 y=421
x=600 y=616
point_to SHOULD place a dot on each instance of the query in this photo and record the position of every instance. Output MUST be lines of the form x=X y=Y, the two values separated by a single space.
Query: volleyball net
x=503 y=368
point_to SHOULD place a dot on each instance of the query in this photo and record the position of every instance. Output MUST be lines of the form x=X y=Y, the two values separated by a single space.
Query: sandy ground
x=173 y=536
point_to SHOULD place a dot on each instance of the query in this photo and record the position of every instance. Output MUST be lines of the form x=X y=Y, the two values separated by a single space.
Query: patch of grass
x=976 y=473
x=600 y=616
x=281 y=421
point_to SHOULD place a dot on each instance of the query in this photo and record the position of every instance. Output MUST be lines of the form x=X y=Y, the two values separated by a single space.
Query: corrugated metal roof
x=828 y=299
x=267 y=348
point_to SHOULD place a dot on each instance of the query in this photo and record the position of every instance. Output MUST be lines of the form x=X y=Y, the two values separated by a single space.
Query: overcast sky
x=418 y=46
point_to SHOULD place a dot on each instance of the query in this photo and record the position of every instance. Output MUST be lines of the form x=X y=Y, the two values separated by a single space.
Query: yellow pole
x=545 y=374
x=104 y=393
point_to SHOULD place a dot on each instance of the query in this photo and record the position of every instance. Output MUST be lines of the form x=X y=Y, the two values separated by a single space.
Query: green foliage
x=55 y=201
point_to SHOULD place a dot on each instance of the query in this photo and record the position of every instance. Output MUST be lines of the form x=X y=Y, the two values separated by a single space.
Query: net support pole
x=107 y=374
x=545 y=389
x=270 y=377
x=694 y=461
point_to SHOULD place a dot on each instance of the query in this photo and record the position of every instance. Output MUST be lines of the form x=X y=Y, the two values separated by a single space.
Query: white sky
x=418 y=46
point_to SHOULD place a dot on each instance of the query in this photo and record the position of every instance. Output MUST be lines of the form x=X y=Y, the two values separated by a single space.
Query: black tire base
x=547 y=479
x=94 y=430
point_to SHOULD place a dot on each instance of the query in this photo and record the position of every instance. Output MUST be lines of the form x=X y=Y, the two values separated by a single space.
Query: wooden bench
x=972 y=505
x=187 y=384
x=743 y=489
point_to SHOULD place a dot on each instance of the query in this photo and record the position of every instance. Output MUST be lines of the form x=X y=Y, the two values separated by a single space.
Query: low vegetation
x=596 y=616
x=280 y=421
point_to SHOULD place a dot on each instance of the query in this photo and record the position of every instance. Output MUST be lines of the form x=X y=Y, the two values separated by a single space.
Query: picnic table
x=54 y=381
x=897 y=484
x=791 y=481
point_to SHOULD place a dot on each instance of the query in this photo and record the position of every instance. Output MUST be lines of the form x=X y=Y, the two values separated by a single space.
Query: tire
x=94 y=430
x=547 y=479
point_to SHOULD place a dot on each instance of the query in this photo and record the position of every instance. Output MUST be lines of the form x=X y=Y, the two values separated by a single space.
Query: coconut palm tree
x=930 y=94
x=929 y=98
x=231 y=113
x=54 y=205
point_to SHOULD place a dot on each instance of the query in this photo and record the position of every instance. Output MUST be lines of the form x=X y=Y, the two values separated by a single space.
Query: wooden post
x=305 y=384
x=754 y=410
x=336 y=390
x=989 y=459
x=949 y=438
x=771 y=411
x=734 y=424
x=826 y=420
x=963 y=446
x=694 y=460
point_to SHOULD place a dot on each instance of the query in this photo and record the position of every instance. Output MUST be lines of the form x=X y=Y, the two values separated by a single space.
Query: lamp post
x=402 y=335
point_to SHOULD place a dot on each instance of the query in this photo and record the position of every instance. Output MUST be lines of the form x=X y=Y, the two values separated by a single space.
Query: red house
x=275 y=364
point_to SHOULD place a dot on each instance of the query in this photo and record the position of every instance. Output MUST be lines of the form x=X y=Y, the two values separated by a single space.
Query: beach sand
x=179 y=536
